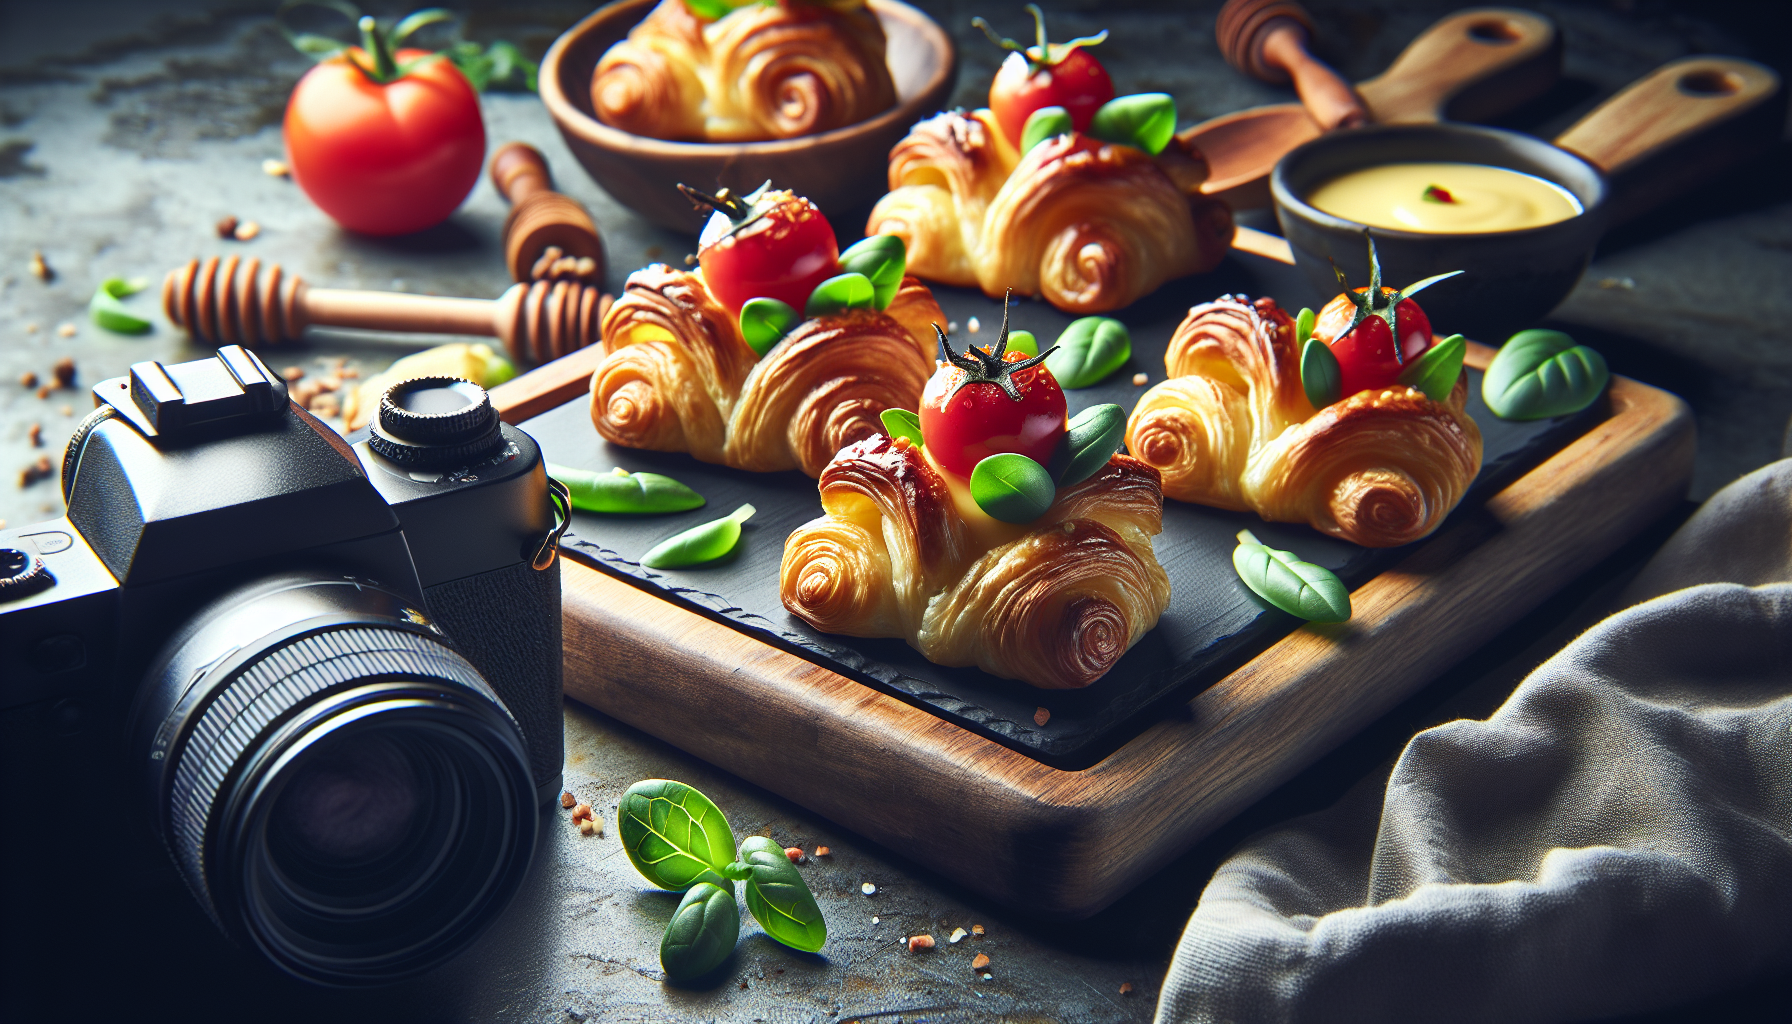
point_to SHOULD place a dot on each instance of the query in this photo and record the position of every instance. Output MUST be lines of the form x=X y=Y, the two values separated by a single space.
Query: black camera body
x=334 y=669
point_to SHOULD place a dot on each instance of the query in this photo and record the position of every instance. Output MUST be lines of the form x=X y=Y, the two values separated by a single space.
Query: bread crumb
x=980 y=961
x=1041 y=716
x=65 y=330
x=275 y=168
x=226 y=226
x=867 y=888
x=566 y=798
x=795 y=853
x=1126 y=988
x=1139 y=379
x=27 y=379
x=916 y=943
x=957 y=934
x=977 y=930
x=587 y=827
x=973 y=325
x=40 y=267
x=822 y=851
x=247 y=230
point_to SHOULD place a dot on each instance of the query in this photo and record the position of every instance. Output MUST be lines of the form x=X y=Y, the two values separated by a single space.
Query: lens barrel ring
x=435 y=439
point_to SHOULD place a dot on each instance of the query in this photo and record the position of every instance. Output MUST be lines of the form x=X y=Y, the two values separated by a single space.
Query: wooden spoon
x=1475 y=63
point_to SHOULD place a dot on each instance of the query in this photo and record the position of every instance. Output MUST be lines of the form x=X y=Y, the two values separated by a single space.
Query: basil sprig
x=1145 y=120
x=622 y=492
x=1296 y=587
x=1012 y=488
x=1044 y=123
x=1088 y=350
x=500 y=66
x=107 y=311
x=901 y=423
x=1539 y=374
x=1023 y=342
x=1320 y=376
x=1436 y=371
x=764 y=322
x=882 y=259
x=841 y=292
x=699 y=544
x=678 y=840
x=1091 y=439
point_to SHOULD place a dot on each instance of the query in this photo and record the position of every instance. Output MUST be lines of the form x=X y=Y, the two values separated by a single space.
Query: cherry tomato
x=1366 y=356
x=772 y=245
x=981 y=420
x=1078 y=83
x=385 y=159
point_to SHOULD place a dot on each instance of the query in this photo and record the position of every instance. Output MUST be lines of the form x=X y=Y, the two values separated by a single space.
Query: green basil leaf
x=1298 y=588
x=1303 y=327
x=842 y=291
x=702 y=932
x=1146 y=120
x=1094 y=435
x=1320 y=376
x=901 y=423
x=674 y=835
x=1044 y=123
x=699 y=544
x=1089 y=350
x=710 y=10
x=1539 y=374
x=883 y=259
x=619 y=491
x=764 y=322
x=1436 y=371
x=779 y=899
x=106 y=311
x=1023 y=342
x=1012 y=488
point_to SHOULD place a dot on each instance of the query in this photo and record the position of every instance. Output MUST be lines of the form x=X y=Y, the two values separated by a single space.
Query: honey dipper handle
x=519 y=171
x=400 y=312
x=1267 y=39
x=1475 y=63
x=1669 y=105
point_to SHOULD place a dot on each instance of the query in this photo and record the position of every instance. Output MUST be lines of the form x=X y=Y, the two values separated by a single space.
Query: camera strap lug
x=550 y=544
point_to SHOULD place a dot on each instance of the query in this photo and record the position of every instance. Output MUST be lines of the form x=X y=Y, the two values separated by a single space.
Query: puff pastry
x=1233 y=428
x=762 y=71
x=1088 y=225
x=1054 y=603
x=677 y=376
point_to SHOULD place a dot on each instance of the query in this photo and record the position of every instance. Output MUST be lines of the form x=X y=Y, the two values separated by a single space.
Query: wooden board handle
x=1504 y=50
x=1267 y=39
x=1668 y=106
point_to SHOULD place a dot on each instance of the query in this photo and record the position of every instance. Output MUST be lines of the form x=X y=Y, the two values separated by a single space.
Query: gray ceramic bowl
x=1511 y=279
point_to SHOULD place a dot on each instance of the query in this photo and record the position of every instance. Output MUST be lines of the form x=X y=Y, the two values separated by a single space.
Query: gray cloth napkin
x=1616 y=838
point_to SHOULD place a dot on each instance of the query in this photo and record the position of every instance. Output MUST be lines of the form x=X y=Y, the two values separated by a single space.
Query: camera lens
x=344 y=792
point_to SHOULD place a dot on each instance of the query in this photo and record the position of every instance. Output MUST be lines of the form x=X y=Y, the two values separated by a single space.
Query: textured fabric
x=1617 y=837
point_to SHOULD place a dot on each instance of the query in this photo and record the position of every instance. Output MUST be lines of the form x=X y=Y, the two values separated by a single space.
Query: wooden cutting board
x=1066 y=843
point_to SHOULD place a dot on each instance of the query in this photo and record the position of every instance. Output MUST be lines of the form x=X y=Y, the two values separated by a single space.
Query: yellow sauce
x=1445 y=198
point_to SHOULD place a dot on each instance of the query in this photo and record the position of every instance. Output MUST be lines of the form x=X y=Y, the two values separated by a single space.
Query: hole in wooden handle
x=1710 y=83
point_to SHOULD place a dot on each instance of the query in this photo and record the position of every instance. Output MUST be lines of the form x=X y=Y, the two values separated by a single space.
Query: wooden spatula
x=1476 y=64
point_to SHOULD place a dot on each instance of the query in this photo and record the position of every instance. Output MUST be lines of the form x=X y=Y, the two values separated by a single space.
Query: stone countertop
x=127 y=130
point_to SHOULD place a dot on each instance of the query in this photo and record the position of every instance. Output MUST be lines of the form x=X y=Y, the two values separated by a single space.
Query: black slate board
x=1213 y=623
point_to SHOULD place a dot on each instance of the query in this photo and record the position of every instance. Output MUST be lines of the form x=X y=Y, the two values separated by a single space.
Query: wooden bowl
x=839 y=170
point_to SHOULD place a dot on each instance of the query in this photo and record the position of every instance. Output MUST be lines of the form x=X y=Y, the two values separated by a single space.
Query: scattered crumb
x=39 y=470
x=951 y=327
x=957 y=934
x=980 y=961
x=247 y=230
x=226 y=226
x=36 y=434
x=566 y=798
x=275 y=168
x=822 y=851
x=43 y=392
x=985 y=976
x=581 y=812
x=1139 y=379
x=65 y=330
x=977 y=930
x=973 y=325
x=1041 y=716
x=795 y=853
x=1623 y=284
x=867 y=888
x=67 y=410
x=587 y=827
x=916 y=943
x=324 y=407
x=40 y=267
x=64 y=372
x=1126 y=988
x=743 y=986
x=27 y=379
x=874 y=919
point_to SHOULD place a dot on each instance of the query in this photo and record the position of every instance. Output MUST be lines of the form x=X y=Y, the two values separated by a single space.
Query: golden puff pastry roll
x=1087 y=225
x=1232 y=428
x=762 y=71
x=677 y=375
x=1054 y=603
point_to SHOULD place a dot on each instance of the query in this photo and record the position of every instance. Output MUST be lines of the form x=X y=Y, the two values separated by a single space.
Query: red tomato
x=1078 y=83
x=385 y=159
x=782 y=248
x=1366 y=356
x=981 y=420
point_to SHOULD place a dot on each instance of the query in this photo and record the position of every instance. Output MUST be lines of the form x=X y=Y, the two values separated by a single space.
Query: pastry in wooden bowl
x=1092 y=204
x=1352 y=422
x=703 y=72
x=776 y=353
x=1006 y=540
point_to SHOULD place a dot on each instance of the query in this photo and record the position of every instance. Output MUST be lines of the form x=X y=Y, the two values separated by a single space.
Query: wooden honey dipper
x=547 y=234
x=1267 y=39
x=241 y=302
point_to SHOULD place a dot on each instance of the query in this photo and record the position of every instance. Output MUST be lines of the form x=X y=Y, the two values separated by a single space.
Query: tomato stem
x=374 y=42
x=988 y=366
x=1042 y=54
